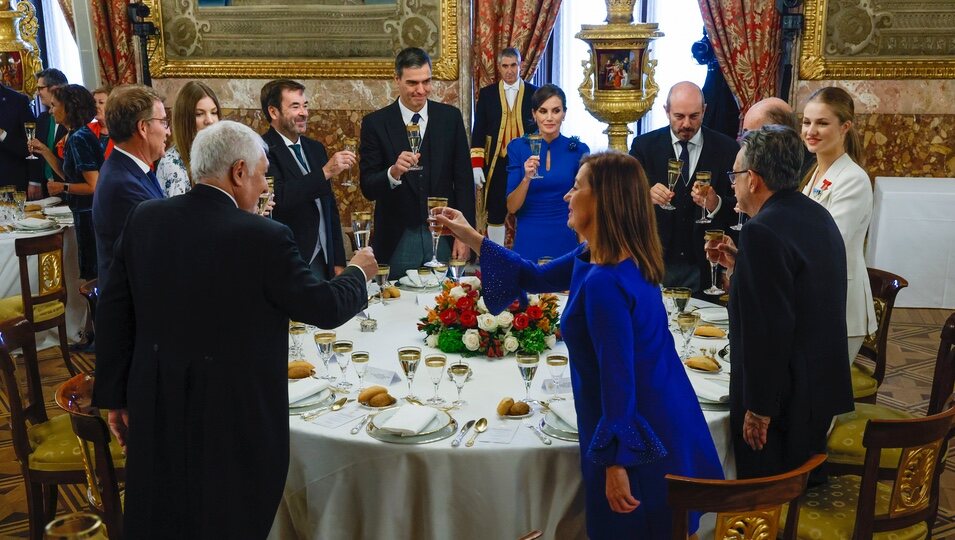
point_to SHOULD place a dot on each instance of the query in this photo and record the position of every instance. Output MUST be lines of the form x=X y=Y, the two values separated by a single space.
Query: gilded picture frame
x=872 y=39
x=312 y=39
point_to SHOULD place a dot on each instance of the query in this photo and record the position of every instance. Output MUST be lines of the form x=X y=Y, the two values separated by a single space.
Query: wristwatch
x=66 y=188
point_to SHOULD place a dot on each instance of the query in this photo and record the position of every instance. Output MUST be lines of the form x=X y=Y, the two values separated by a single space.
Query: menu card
x=501 y=433
x=379 y=376
x=339 y=418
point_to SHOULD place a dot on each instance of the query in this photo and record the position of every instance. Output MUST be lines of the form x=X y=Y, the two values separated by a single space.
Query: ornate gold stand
x=19 y=54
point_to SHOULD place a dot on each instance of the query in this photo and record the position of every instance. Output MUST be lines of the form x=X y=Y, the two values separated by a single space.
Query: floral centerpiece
x=461 y=323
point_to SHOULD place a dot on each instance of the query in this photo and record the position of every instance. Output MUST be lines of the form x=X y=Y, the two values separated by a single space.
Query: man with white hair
x=193 y=338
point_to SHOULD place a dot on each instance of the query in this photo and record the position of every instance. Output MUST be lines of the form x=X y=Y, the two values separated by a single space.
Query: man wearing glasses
x=47 y=130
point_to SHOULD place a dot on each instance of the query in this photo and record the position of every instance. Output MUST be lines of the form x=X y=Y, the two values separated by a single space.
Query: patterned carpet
x=913 y=344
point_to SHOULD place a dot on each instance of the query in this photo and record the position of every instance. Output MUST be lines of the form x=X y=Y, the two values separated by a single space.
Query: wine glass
x=381 y=278
x=409 y=357
x=460 y=373
x=687 y=322
x=668 y=303
x=297 y=330
x=441 y=272
x=556 y=363
x=457 y=268
x=536 y=142
x=703 y=179
x=324 y=340
x=435 y=364
x=527 y=365
x=360 y=359
x=739 y=218
x=674 y=172
x=436 y=228
x=30 y=129
x=414 y=139
x=20 y=198
x=681 y=298
x=75 y=526
x=342 y=349
x=713 y=235
x=350 y=145
x=361 y=228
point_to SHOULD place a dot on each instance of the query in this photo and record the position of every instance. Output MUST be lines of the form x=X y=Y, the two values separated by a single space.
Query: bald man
x=701 y=149
x=773 y=110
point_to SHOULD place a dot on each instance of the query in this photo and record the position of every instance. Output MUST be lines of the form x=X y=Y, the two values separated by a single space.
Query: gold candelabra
x=19 y=54
x=618 y=86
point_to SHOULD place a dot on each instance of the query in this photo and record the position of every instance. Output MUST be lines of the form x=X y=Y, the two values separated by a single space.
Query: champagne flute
x=441 y=272
x=409 y=357
x=674 y=172
x=342 y=349
x=350 y=145
x=436 y=228
x=457 y=269
x=713 y=235
x=687 y=322
x=361 y=228
x=556 y=363
x=739 y=218
x=381 y=278
x=414 y=139
x=460 y=373
x=20 y=198
x=435 y=364
x=535 y=142
x=527 y=365
x=703 y=179
x=297 y=330
x=324 y=340
x=30 y=129
x=360 y=359
x=669 y=303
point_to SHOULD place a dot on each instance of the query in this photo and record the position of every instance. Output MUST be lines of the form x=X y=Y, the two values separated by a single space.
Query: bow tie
x=515 y=86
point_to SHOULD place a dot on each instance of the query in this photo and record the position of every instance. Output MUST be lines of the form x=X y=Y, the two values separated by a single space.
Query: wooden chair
x=858 y=507
x=744 y=506
x=102 y=477
x=845 y=448
x=89 y=291
x=46 y=309
x=866 y=381
x=46 y=448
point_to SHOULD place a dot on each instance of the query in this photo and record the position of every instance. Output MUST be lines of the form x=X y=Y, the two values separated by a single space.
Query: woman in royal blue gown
x=536 y=202
x=638 y=417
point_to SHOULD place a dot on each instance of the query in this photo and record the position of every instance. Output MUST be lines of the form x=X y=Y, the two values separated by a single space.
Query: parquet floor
x=913 y=344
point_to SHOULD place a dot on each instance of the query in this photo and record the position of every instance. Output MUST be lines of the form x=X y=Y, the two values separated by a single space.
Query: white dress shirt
x=694 y=148
x=510 y=92
x=322 y=241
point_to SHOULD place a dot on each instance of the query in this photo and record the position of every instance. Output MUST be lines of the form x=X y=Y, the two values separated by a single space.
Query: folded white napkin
x=58 y=211
x=413 y=279
x=34 y=223
x=409 y=420
x=710 y=390
x=303 y=388
x=49 y=201
x=566 y=411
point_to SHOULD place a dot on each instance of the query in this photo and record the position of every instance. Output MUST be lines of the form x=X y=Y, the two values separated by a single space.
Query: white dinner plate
x=314 y=400
x=550 y=431
x=715 y=315
x=440 y=421
x=556 y=422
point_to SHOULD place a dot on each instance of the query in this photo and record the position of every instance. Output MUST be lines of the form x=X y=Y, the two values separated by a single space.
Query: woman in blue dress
x=536 y=202
x=638 y=417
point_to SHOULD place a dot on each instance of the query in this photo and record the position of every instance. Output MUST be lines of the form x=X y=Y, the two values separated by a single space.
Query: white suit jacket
x=847 y=193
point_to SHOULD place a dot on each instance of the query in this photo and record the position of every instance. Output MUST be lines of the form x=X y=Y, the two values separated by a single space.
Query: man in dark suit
x=700 y=149
x=138 y=126
x=14 y=112
x=48 y=131
x=301 y=168
x=191 y=360
x=503 y=113
x=401 y=235
x=787 y=311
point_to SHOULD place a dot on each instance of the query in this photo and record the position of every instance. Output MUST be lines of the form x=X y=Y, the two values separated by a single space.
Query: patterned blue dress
x=542 y=220
x=82 y=153
x=635 y=405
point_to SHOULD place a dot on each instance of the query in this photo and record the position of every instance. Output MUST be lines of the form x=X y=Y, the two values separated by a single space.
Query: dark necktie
x=685 y=158
x=152 y=178
x=415 y=118
x=297 y=150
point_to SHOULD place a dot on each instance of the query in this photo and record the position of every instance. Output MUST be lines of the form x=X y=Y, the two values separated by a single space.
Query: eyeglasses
x=733 y=174
x=163 y=121
x=39 y=87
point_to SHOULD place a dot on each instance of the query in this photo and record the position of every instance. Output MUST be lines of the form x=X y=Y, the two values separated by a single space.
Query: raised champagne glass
x=556 y=364
x=687 y=323
x=381 y=278
x=30 y=129
x=360 y=359
x=414 y=140
x=460 y=373
x=703 y=179
x=435 y=364
x=297 y=330
x=536 y=141
x=324 y=340
x=713 y=235
x=674 y=172
x=409 y=357
x=361 y=228
x=457 y=268
x=342 y=349
x=527 y=365
x=436 y=229
x=350 y=145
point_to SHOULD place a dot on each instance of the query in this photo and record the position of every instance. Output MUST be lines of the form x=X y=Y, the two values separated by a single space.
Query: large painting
x=878 y=39
x=300 y=38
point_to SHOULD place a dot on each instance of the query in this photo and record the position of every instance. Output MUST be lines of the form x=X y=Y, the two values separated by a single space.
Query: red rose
x=465 y=302
x=534 y=312
x=448 y=316
x=473 y=293
x=521 y=320
x=515 y=305
x=468 y=319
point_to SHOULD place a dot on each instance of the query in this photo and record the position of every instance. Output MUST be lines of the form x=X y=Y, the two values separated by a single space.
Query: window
x=62 y=52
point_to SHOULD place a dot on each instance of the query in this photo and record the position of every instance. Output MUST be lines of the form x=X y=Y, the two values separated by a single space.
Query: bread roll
x=299 y=372
x=365 y=396
x=504 y=407
x=710 y=331
x=381 y=400
x=519 y=409
x=393 y=292
x=703 y=362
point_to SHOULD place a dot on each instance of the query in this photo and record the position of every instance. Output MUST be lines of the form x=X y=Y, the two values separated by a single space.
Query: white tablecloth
x=10 y=282
x=353 y=486
x=913 y=235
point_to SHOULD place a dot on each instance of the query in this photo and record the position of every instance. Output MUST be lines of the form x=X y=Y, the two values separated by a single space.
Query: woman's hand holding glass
x=455 y=222
x=722 y=252
x=531 y=166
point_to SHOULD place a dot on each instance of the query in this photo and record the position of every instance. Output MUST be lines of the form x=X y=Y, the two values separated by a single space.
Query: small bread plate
x=704 y=371
x=382 y=408
x=715 y=329
x=555 y=432
x=312 y=402
x=516 y=417
x=442 y=427
x=714 y=315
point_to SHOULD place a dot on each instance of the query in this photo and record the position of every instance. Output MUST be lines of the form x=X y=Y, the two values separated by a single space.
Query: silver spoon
x=337 y=406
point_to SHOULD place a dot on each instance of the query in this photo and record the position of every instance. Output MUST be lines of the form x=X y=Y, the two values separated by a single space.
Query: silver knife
x=364 y=420
x=457 y=440
x=543 y=437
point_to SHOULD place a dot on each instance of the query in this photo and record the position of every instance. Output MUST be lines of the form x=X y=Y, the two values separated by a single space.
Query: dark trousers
x=319 y=267
x=495 y=194
x=85 y=243
x=786 y=448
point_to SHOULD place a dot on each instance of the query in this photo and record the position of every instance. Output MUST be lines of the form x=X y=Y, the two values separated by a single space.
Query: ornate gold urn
x=618 y=86
x=19 y=54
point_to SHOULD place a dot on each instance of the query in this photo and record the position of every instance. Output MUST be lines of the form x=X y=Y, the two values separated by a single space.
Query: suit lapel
x=282 y=154
x=133 y=169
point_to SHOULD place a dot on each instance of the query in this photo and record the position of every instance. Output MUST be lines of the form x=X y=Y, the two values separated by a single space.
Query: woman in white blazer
x=842 y=187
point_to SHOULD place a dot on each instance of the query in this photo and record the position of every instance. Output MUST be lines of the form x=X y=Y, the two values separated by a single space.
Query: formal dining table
x=345 y=486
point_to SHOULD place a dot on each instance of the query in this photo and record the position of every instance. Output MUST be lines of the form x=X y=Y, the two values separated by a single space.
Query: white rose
x=550 y=341
x=474 y=282
x=510 y=343
x=457 y=292
x=481 y=306
x=504 y=319
x=431 y=341
x=471 y=340
x=487 y=322
x=533 y=299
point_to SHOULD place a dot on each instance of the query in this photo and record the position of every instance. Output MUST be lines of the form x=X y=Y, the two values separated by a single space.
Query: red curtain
x=746 y=39
x=67 y=7
x=523 y=24
x=114 y=41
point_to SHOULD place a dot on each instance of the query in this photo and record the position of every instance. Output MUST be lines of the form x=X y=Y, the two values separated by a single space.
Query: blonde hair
x=184 y=119
x=843 y=106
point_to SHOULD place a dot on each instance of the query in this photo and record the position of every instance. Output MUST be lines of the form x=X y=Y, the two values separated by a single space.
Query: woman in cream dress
x=842 y=187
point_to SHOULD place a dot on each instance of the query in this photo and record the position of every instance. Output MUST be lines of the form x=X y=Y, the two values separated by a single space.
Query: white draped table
x=343 y=486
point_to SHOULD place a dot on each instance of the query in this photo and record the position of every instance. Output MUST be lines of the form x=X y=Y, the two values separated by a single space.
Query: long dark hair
x=78 y=104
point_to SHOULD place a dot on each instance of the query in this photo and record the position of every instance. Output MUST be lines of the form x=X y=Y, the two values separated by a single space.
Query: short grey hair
x=510 y=52
x=775 y=152
x=220 y=145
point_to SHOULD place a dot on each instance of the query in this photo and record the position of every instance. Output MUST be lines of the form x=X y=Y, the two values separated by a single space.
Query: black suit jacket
x=787 y=314
x=192 y=338
x=447 y=171
x=487 y=121
x=682 y=239
x=14 y=112
x=295 y=195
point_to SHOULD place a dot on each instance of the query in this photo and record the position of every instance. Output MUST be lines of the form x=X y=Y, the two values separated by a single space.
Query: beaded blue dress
x=635 y=405
x=542 y=220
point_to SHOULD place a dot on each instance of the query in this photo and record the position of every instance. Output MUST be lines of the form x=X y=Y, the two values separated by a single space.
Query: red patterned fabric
x=745 y=37
x=523 y=24
x=114 y=41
